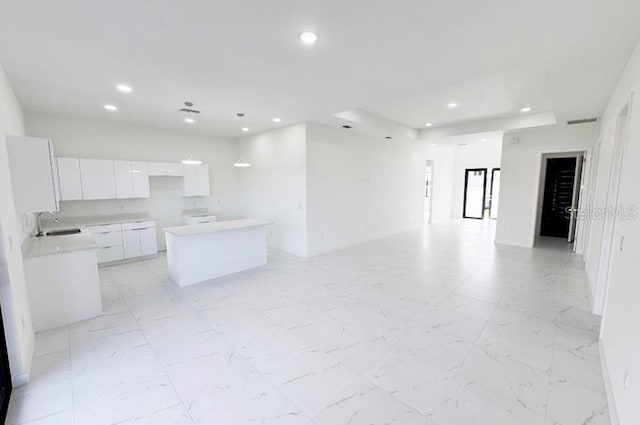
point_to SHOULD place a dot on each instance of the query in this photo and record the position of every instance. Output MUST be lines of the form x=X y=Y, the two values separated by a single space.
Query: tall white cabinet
x=33 y=174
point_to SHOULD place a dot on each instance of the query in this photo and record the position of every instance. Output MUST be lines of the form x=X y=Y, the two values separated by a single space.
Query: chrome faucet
x=40 y=231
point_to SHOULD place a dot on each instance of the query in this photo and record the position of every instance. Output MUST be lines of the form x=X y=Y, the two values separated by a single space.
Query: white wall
x=360 y=187
x=442 y=194
x=620 y=342
x=13 y=229
x=105 y=140
x=274 y=187
x=520 y=176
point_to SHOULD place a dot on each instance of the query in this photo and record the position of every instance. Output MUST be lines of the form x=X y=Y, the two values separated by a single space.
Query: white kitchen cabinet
x=109 y=254
x=196 y=180
x=124 y=182
x=171 y=169
x=139 y=239
x=203 y=180
x=120 y=241
x=69 y=179
x=109 y=240
x=190 y=181
x=62 y=287
x=131 y=243
x=148 y=242
x=157 y=169
x=34 y=174
x=174 y=169
x=98 y=179
x=132 y=179
x=140 y=179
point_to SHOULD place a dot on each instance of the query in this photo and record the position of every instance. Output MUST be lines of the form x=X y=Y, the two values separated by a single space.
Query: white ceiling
x=403 y=60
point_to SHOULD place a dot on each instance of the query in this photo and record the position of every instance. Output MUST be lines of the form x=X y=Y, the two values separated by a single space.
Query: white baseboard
x=20 y=380
x=608 y=386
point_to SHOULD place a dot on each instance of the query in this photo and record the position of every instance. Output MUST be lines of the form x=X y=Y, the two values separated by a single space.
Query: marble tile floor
x=436 y=326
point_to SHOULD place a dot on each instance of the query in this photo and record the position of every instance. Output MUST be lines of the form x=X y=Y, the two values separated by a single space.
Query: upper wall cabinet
x=132 y=179
x=165 y=169
x=98 y=179
x=196 y=180
x=140 y=177
x=124 y=182
x=69 y=179
x=107 y=179
x=33 y=174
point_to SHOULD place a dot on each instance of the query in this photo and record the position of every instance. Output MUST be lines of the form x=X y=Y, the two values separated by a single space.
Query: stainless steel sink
x=63 y=232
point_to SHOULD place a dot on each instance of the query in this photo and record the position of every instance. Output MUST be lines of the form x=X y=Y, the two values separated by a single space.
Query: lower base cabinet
x=109 y=254
x=117 y=242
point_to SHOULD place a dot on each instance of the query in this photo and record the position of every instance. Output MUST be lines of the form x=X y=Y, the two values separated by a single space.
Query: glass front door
x=475 y=186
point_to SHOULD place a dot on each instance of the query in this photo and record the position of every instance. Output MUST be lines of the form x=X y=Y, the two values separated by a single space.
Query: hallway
x=434 y=326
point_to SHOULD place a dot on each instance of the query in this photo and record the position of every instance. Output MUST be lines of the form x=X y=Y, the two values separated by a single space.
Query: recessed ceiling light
x=428 y=124
x=245 y=129
x=526 y=109
x=189 y=120
x=308 y=37
x=483 y=140
x=276 y=120
x=124 y=88
x=110 y=107
x=434 y=145
x=452 y=105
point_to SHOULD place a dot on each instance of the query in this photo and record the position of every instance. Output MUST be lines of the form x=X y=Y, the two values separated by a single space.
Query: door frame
x=5 y=365
x=484 y=192
x=605 y=259
x=493 y=171
x=5 y=373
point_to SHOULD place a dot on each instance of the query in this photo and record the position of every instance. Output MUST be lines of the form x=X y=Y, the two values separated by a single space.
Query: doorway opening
x=494 y=193
x=561 y=178
x=5 y=372
x=481 y=193
x=428 y=190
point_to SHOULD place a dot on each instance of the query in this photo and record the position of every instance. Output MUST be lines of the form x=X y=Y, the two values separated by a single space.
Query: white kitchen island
x=199 y=252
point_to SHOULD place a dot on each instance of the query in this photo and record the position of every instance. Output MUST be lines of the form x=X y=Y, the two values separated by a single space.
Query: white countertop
x=49 y=245
x=69 y=222
x=219 y=226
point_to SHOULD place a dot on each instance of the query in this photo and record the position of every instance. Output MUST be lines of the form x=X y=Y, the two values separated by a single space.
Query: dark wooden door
x=558 y=196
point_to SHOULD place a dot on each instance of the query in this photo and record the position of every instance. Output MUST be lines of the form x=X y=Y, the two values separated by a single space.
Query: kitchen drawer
x=105 y=228
x=138 y=225
x=189 y=219
x=107 y=255
x=104 y=240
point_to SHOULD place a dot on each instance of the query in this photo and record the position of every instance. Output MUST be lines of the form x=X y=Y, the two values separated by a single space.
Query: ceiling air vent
x=582 y=121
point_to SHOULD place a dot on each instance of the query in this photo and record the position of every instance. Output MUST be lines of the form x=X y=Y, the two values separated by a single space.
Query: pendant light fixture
x=242 y=163
x=191 y=160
